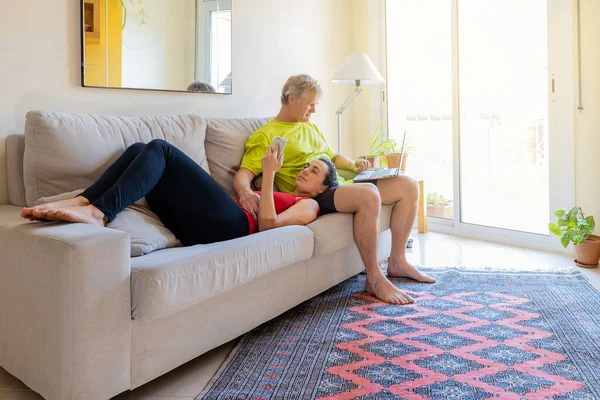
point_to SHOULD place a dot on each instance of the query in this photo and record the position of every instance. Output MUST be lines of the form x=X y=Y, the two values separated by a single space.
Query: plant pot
x=393 y=161
x=587 y=254
x=440 y=211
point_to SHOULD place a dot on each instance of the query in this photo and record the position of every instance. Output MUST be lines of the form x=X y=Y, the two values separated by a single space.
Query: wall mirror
x=174 y=45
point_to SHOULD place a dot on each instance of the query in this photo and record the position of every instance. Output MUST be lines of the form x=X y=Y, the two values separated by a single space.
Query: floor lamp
x=358 y=69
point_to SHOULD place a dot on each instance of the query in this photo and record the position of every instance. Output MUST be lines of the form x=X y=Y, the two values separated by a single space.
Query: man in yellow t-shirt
x=305 y=142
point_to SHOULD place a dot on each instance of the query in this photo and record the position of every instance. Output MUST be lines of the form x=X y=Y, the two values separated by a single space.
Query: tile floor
x=430 y=249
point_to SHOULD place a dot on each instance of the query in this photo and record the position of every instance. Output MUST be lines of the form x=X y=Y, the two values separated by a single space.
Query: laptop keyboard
x=381 y=172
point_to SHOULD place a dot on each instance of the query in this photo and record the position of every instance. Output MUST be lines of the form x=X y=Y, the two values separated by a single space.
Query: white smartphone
x=278 y=141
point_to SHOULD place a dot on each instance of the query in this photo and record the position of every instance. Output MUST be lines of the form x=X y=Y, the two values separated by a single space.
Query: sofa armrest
x=347 y=174
x=65 y=307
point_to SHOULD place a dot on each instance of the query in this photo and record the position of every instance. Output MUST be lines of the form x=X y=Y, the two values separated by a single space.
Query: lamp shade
x=358 y=66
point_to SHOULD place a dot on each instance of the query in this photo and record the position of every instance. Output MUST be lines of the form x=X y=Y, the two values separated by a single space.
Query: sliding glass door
x=503 y=70
x=472 y=83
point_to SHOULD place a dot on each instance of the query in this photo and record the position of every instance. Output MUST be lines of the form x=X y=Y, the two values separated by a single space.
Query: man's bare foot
x=42 y=209
x=84 y=214
x=385 y=291
x=406 y=270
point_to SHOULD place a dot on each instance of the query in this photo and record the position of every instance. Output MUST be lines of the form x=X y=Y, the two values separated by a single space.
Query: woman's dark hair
x=331 y=177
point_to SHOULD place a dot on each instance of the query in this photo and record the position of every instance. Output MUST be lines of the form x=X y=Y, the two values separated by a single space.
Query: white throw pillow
x=146 y=232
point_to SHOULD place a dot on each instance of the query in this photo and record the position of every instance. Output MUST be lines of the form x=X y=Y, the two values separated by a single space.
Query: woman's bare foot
x=84 y=214
x=42 y=209
x=385 y=291
x=406 y=270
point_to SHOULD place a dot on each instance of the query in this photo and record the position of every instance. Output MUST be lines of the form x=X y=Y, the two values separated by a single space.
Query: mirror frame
x=82 y=53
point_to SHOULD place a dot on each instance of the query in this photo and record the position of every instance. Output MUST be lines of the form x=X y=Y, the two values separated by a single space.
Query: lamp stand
x=356 y=92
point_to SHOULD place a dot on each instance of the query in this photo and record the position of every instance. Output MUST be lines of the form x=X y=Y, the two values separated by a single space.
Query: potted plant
x=574 y=227
x=393 y=153
x=387 y=149
x=375 y=148
x=439 y=206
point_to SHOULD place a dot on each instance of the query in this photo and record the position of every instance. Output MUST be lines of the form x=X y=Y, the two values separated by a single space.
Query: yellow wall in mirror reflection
x=105 y=52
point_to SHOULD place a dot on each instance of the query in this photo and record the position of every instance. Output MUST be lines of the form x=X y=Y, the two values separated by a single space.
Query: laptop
x=381 y=173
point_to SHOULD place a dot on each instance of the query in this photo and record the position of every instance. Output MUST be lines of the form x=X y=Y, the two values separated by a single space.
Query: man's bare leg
x=403 y=191
x=364 y=201
x=28 y=212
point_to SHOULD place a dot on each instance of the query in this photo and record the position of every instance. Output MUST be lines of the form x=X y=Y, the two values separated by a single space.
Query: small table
x=422 y=209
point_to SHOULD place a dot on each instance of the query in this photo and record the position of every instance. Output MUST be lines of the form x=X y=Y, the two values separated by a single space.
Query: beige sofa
x=81 y=319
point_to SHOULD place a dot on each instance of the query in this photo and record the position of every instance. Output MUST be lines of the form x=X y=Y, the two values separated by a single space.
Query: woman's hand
x=270 y=162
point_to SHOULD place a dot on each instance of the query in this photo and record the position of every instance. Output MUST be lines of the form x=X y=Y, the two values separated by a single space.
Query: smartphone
x=278 y=141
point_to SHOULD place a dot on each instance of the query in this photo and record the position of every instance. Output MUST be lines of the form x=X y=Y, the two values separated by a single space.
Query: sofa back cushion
x=225 y=146
x=64 y=152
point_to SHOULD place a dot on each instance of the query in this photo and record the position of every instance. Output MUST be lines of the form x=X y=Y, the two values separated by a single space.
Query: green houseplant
x=375 y=148
x=574 y=227
x=439 y=206
x=387 y=149
x=392 y=151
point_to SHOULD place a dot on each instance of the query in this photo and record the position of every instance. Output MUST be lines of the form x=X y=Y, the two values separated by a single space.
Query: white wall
x=272 y=39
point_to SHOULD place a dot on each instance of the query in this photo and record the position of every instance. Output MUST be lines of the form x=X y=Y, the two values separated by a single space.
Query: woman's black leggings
x=184 y=196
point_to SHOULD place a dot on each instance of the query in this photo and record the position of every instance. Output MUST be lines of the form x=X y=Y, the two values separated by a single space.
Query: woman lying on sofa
x=187 y=199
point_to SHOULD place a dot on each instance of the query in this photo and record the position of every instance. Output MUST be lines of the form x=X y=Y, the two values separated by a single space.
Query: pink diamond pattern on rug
x=465 y=345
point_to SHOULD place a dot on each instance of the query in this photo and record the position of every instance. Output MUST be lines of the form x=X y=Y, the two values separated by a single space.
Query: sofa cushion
x=334 y=231
x=171 y=280
x=15 y=147
x=64 y=152
x=146 y=232
x=225 y=146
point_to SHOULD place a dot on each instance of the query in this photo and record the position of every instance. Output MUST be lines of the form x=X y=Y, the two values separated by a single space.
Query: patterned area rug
x=472 y=335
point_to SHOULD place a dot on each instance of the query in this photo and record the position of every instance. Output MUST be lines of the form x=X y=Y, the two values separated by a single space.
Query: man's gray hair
x=297 y=85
